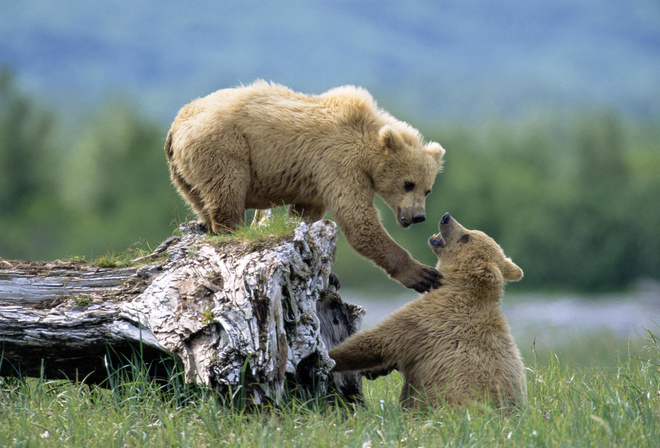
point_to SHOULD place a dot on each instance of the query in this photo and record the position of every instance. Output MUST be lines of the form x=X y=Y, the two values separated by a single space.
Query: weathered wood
x=258 y=318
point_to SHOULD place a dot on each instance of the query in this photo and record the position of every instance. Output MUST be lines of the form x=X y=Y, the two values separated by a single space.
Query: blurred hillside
x=433 y=61
x=549 y=112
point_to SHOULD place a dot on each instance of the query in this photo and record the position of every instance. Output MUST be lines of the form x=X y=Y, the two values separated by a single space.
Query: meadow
x=572 y=402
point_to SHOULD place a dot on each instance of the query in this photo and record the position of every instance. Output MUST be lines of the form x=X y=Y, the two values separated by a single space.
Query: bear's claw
x=430 y=280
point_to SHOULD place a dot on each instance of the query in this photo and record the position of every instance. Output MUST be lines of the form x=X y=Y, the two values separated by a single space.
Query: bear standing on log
x=264 y=145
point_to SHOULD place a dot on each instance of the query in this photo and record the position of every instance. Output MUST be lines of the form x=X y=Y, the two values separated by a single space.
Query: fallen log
x=237 y=315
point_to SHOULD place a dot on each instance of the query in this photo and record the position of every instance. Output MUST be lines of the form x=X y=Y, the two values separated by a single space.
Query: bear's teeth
x=437 y=240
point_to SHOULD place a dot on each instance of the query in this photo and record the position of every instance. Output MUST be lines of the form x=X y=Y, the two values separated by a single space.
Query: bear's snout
x=450 y=229
x=406 y=217
x=418 y=218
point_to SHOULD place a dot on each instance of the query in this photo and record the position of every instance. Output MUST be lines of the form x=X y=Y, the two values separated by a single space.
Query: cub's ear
x=437 y=151
x=512 y=272
x=487 y=273
x=390 y=139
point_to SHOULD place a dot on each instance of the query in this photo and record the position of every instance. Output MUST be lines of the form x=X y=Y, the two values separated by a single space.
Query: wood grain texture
x=236 y=316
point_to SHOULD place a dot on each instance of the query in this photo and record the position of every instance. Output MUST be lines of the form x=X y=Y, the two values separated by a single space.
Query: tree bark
x=259 y=319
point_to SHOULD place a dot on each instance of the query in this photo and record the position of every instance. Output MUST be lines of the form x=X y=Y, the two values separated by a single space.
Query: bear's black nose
x=418 y=218
x=445 y=218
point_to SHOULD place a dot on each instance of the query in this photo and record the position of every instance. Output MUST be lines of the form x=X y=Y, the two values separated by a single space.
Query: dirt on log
x=238 y=317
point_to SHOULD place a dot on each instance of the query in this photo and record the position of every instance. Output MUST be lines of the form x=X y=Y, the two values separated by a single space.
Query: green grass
x=280 y=227
x=114 y=260
x=271 y=232
x=568 y=406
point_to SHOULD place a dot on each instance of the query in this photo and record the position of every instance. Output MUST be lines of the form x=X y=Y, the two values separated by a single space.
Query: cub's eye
x=426 y=193
x=409 y=186
x=464 y=239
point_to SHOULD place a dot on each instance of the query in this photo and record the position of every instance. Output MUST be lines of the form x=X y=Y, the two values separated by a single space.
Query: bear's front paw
x=423 y=279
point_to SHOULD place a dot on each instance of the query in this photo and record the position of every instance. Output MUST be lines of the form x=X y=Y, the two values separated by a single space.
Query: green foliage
x=82 y=301
x=28 y=193
x=116 y=186
x=109 y=188
x=568 y=406
x=27 y=132
x=207 y=317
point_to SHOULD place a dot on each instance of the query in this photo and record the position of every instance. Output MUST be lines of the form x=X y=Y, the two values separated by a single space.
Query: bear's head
x=471 y=255
x=406 y=172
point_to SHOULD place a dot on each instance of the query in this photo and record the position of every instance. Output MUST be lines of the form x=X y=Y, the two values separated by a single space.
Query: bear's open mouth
x=436 y=240
x=403 y=222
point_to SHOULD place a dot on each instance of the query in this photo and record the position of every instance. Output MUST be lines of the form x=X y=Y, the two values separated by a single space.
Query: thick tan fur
x=264 y=145
x=453 y=345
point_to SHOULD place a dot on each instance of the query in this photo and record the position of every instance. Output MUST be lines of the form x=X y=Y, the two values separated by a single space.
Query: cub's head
x=471 y=255
x=406 y=172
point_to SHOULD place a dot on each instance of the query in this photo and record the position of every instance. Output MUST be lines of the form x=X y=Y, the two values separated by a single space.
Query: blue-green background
x=549 y=112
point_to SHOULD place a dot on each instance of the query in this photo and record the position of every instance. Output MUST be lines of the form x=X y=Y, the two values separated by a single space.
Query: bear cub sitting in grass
x=453 y=345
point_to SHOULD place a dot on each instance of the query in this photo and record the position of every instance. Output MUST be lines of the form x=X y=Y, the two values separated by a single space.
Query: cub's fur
x=453 y=345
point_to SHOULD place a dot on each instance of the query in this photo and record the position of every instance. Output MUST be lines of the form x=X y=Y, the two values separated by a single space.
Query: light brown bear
x=453 y=345
x=264 y=145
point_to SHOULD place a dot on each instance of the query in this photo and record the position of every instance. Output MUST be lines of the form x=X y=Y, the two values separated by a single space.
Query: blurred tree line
x=574 y=199
x=101 y=190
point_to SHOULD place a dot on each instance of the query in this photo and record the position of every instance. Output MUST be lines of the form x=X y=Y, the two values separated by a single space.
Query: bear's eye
x=464 y=239
x=409 y=186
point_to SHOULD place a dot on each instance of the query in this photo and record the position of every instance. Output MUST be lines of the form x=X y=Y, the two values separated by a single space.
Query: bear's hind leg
x=407 y=397
x=417 y=396
x=309 y=213
x=224 y=199
x=191 y=195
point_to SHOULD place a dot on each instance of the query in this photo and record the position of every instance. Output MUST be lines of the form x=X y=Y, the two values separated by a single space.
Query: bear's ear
x=512 y=272
x=487 y=273
x=390 y=139
x=437 y=151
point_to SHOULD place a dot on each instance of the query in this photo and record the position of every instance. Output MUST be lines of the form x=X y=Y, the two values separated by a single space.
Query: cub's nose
x=418 y=218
